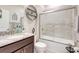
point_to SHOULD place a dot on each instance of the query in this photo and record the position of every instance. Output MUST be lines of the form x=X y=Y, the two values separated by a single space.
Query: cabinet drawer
x=29 y=48
x=16 y=45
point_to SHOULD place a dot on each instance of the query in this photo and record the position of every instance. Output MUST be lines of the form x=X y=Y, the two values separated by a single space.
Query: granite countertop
x=5 y=40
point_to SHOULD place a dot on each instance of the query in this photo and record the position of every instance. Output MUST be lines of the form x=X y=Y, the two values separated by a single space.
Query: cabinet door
x=20 y=51
x=29 y=48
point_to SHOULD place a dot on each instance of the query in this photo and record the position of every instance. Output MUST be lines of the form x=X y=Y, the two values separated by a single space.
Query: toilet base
x=36 y=51
x=40 y=47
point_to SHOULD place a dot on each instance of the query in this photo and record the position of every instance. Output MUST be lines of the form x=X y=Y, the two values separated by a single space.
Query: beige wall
x=28 y=25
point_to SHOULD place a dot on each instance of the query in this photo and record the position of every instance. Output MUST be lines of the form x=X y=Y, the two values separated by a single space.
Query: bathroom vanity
x=12 y=37
x=17 y=44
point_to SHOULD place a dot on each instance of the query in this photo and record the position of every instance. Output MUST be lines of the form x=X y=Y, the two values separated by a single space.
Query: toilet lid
x=40 y=44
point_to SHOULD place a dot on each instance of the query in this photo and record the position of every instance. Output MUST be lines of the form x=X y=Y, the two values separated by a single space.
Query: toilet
x=40 y=47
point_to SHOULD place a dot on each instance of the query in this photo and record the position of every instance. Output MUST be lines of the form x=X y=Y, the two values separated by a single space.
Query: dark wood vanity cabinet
x=25 y=45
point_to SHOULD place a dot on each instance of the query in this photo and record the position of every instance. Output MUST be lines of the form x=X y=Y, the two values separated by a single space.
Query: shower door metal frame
x=61 y=8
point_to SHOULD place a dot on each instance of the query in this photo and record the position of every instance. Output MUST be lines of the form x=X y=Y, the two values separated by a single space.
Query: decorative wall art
x=31 y=12
x=14 y=16
x=0 y=13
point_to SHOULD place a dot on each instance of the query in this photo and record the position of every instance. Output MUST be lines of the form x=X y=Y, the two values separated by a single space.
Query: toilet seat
x=40 y=47
x=40 y=44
